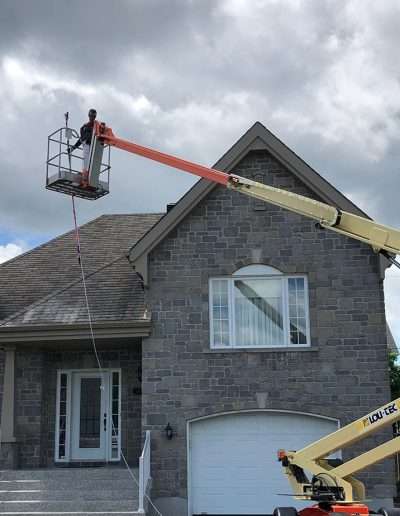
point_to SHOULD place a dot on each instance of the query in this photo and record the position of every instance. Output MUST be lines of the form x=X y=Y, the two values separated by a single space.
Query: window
x=259 y=307
x=61 y=445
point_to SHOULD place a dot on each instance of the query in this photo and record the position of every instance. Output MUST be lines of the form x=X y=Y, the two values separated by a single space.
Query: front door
x=89 y=415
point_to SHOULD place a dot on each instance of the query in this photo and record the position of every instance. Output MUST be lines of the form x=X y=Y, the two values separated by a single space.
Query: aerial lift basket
x=63 y=169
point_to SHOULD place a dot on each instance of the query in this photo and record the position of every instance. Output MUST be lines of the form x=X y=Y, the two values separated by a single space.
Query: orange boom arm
x=105 y=134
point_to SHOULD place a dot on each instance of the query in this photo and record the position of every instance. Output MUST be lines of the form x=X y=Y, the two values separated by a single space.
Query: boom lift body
x=332 y=485
x=382 y=238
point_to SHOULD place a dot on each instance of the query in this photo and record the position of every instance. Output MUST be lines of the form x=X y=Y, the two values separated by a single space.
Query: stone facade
x=2 y=357
x=36 y=381
x=343 y=374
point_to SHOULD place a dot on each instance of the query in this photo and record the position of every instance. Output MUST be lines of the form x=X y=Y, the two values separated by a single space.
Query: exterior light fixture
x=169 y=433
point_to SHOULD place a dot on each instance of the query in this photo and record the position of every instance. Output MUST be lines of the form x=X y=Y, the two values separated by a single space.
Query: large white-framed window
x=259 y=307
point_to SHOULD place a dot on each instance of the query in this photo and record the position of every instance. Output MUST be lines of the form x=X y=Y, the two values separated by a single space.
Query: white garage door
x=233 y=467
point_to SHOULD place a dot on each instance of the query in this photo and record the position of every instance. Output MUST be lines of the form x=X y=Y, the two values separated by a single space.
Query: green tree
x=394 y=371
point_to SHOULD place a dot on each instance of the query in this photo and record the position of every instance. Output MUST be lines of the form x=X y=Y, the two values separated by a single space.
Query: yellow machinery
x=332 y=484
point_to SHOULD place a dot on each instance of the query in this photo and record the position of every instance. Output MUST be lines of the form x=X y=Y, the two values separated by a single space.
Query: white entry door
x=89 y=415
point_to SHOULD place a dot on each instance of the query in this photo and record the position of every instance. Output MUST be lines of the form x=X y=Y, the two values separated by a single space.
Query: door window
x=90 y=413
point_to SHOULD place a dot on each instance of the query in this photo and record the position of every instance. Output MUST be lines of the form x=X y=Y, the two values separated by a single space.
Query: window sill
x=289 y=349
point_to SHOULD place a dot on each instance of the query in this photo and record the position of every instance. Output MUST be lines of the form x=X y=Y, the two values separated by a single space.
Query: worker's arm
x=78 y=142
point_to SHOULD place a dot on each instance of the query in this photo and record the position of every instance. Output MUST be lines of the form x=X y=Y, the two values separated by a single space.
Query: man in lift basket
x=86 y=140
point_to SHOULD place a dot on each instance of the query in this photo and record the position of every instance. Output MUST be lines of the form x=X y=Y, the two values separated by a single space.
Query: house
x=227 y=327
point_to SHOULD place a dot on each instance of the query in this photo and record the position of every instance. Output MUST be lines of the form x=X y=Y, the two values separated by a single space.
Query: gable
x=259 y=139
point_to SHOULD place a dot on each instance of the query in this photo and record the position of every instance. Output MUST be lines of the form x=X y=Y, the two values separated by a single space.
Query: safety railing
x=63 y=168
x=144 y=472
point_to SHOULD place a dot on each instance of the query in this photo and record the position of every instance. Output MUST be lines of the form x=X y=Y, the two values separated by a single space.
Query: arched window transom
x=256 y=270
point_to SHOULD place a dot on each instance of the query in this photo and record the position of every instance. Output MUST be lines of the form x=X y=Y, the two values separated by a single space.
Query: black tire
x=285 y=511
x=389 y=512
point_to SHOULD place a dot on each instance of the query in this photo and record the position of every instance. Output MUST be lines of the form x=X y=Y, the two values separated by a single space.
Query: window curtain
x=258 y=312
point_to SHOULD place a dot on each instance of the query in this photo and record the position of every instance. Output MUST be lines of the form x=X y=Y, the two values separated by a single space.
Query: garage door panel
x=233 y=464
x=244 y=501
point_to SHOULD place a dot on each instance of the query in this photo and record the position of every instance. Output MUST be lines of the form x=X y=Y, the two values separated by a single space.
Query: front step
x=65 y=494
x=68 y=484
x=69 y=491
x=68 y=506
x=129 y=513
x=108 y=473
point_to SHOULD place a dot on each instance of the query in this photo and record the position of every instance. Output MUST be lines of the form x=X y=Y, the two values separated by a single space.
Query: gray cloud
x=190 y=77
x=208 y=70
x=92 y=38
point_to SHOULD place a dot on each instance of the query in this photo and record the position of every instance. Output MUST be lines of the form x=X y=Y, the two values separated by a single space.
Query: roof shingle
x=50 y=274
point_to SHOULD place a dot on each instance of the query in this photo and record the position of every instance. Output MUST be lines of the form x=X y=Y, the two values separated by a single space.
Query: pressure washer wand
x=68 y=135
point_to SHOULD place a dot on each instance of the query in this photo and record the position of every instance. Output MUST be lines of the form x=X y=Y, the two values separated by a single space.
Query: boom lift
x=383 y=239
x=332 y=484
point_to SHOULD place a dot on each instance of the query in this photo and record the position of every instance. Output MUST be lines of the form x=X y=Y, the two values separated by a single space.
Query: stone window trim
x=281 y=325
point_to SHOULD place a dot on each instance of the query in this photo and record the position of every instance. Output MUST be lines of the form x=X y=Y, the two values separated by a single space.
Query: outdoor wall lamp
x=169 y=433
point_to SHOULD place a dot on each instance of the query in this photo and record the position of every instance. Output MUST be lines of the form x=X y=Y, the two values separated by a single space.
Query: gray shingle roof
x=115 y=293
x=44 y=284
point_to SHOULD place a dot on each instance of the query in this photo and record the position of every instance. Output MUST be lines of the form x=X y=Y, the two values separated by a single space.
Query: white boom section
x=379 y=236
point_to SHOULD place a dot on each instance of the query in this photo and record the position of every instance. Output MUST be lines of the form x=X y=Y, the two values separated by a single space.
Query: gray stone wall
x=343 y=375
x=9 y=456
x=29 y=374
x=2 y=358
x=36 y=381
x=8 y=451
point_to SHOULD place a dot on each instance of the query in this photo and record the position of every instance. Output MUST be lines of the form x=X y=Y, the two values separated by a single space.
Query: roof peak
x=257 y=137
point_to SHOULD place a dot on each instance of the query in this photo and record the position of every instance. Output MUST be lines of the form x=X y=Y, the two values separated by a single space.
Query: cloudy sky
x=189 y=77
